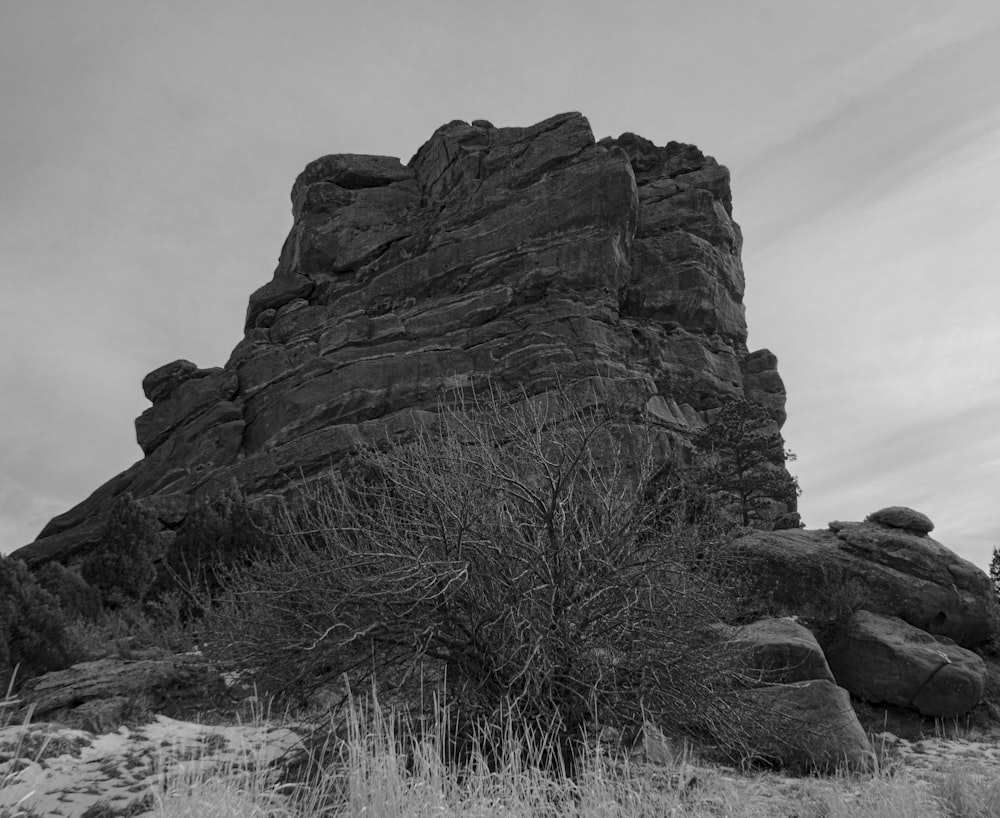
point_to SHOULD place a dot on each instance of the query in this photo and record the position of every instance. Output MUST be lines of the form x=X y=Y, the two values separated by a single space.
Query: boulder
x=807 y=726
x=884 y=660
x=823 y=576
x=161 y=382
x=801 y=718
x=902 y=517
x=526 y=258
x=780 y=651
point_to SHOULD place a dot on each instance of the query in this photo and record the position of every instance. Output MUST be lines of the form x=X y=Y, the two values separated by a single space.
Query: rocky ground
x=60 y=771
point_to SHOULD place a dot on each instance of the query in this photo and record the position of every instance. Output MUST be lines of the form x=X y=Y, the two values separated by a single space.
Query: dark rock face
x=781 y=651
x=809 y=725
x=886 y=570
x=203 y=392
x=885 y=660
x=804 y=719
x=522 y=256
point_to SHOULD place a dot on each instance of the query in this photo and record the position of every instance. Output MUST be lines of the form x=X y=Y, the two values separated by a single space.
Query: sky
x=147 y=151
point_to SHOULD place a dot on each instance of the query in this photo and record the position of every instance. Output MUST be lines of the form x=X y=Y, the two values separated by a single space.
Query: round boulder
x=902 y=517
x=159 y=384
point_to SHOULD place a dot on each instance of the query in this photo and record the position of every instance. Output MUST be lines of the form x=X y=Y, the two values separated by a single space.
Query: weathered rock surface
x=809 y=725
x=884 y=660
x=902 y=517
x=781 y=651
x=824 y=575
x=803 y=719
x=95 y=694
x=203 y=392
x=515 y=255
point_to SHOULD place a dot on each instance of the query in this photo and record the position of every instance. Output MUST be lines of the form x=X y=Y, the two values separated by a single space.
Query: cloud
x=887 y=132
x=945 y=464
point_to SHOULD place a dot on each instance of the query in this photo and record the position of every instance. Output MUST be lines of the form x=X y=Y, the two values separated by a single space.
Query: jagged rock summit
x=518 y=256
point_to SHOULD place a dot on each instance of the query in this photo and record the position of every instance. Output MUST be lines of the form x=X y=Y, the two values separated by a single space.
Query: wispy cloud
x=899 y=123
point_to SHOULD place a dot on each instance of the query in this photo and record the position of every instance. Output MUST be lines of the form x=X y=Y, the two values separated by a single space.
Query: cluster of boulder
x=876 y=610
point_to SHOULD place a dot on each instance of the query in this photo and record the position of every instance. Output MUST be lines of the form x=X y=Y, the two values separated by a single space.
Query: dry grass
x=382 y=769
x=132 y=630
x=12 y=756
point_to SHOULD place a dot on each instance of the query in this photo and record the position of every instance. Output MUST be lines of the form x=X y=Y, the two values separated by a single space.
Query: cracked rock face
x=884 y=660
x=517 y=256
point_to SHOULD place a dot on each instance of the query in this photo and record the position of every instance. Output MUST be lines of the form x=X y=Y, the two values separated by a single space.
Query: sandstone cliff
x=518 y=255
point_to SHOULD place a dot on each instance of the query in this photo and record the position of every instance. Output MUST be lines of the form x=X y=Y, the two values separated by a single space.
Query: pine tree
x=742 y=457
x=220 y=532
x=995 y=572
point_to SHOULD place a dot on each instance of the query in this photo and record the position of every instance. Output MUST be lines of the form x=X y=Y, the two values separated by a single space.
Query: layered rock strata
x=523 y=257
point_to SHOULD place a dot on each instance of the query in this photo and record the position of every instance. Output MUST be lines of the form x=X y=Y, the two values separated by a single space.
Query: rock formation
x=100 y=695
x=878 y=567
x=534 y=259
x=517 y=256
x=890 y=602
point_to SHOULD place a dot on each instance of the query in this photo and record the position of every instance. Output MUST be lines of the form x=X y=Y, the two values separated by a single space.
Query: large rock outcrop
x=513 y=255
x=876 y=566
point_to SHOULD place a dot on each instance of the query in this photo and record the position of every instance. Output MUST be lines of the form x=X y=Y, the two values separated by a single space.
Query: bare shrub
x=516 y=551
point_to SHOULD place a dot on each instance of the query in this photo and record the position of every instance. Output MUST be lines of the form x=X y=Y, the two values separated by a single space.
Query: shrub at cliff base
x=74 y=595
x=515 y=552
x=219 y=533
x=121 y=567
x=32 y=626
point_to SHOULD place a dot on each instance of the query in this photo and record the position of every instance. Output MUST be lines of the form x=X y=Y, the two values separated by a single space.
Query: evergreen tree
x=121 y=567
x=742 y=457
x=32 y=626
x=219 y=532
x=995 y=572
x=70 y=590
